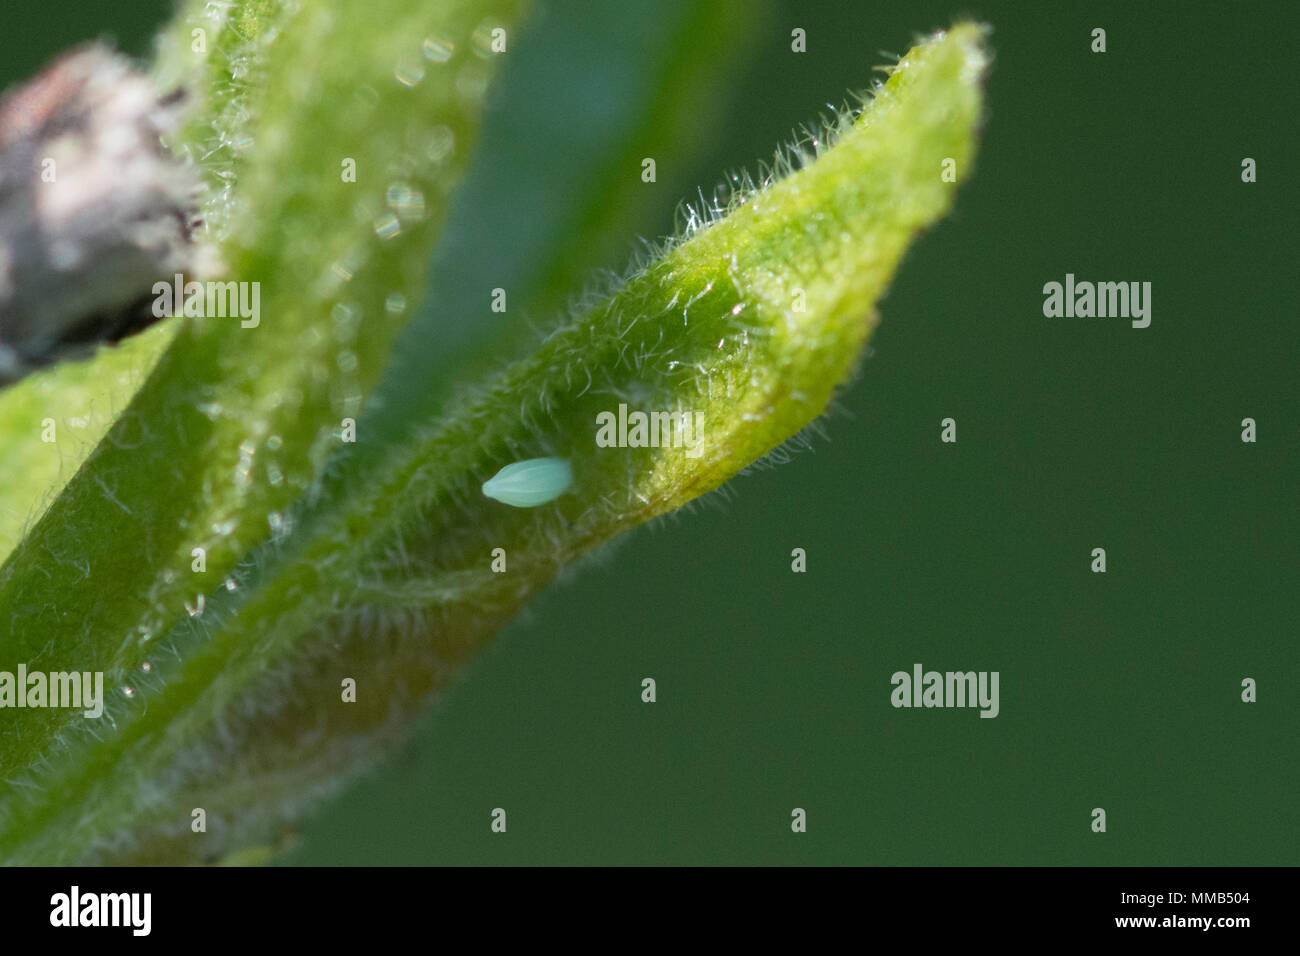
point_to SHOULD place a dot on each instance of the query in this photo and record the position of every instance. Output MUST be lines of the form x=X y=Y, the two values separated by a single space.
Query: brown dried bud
x=93 y=208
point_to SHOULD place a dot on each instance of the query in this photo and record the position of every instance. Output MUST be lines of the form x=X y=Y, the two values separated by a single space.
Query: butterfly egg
x=527 y=484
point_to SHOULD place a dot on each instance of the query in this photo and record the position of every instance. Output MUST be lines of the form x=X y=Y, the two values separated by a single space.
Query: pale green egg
x=527 y=484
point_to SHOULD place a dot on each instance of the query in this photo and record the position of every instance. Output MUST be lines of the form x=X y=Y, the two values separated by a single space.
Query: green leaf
x=383 y=573
x=80 y=400
x=640 y=78
x=237 y=423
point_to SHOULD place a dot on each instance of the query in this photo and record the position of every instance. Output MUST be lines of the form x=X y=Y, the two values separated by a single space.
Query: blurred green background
x=1120 y=690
